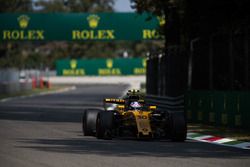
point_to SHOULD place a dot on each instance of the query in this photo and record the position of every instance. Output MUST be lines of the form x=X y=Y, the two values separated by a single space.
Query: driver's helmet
x=135 y=105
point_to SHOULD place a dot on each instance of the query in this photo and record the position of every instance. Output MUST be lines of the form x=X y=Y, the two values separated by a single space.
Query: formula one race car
x=130 y=116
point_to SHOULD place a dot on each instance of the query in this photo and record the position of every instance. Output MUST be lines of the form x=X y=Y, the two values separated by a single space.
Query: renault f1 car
x=131 y=117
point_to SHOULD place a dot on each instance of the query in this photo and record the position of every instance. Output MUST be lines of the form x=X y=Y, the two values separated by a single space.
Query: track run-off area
x=45 y=131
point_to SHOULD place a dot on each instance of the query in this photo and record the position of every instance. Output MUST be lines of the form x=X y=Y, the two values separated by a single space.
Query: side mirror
x=152 y=107
x=121 y=106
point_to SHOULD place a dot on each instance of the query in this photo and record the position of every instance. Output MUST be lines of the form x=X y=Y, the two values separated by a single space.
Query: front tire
x=89 y=122
x=177 y=128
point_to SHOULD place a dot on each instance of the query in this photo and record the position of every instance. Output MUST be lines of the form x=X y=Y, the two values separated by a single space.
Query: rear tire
x=177 y=128
x=89 y=122
x=104 y=125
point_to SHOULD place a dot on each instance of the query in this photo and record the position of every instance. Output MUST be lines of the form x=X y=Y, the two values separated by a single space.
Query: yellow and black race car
x=130 y=116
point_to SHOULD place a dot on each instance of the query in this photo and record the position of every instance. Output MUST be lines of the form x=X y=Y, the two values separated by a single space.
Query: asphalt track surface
x=45 y=131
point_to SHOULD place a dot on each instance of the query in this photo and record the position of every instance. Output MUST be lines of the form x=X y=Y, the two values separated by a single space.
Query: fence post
x=152 y=75
x=246 y=45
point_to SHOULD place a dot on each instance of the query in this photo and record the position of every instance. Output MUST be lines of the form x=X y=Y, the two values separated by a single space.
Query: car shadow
x=127 y=148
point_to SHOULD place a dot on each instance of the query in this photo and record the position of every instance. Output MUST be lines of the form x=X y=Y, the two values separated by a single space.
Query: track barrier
x=217 y=108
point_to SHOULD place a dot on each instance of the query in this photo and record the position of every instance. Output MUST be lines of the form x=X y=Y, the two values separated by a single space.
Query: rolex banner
x=79 y=26
x=101 y=67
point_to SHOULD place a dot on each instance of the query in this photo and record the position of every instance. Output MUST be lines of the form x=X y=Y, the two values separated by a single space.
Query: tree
x=173 y=61
x=160 y=8
x=213 y=34
x=222 y=28
x=15 y=6
x=75 y=5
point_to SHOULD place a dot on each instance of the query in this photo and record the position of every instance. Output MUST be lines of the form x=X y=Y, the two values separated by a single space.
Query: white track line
x=39 y=94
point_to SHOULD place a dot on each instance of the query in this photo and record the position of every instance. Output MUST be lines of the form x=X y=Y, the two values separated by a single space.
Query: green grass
x=238 y=134
x=31 y=92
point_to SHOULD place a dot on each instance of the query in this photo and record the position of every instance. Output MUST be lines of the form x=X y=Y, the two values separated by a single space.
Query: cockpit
x=135 y=105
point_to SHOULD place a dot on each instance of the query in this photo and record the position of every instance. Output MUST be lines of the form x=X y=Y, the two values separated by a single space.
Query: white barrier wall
x=10 y=82
x=133 y=81
x=9 y=75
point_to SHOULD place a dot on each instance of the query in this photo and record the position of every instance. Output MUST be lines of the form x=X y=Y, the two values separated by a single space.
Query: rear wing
x=112 y=101
x=120 y=102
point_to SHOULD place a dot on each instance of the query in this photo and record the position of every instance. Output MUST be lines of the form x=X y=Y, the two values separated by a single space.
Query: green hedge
x=220 y=108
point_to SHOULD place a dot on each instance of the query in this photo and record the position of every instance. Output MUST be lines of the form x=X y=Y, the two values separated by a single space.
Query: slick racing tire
x=178 y=126
x=89 y=122
x=104 y=125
